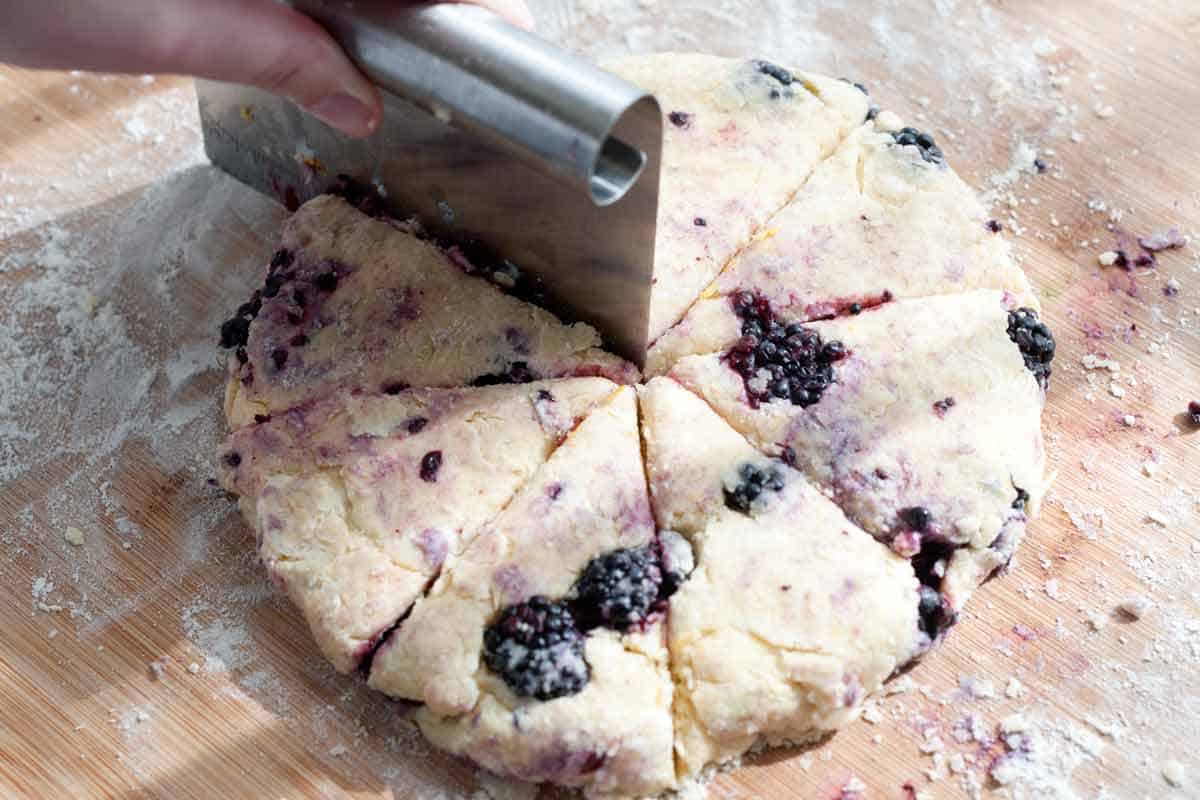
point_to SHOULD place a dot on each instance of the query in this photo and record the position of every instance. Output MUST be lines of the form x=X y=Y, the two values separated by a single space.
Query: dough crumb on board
x=1174 y=773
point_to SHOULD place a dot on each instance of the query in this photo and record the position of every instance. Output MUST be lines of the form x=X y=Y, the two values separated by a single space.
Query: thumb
x=258 y=42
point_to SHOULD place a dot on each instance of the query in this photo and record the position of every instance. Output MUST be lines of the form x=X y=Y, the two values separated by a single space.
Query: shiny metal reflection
x=488 y=130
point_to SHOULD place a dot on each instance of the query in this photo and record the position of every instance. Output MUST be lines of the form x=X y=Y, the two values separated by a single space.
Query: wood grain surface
x=154 y=660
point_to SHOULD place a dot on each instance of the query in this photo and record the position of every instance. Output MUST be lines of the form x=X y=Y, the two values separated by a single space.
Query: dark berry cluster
x=680 y=119
x=1193 y=413
x=475 y=257
x=922 y=141
x=1034 y=340
x=935 y=613
x=775 y=71
x=753 y=481
x=619 y=590
x=1022 y=500
x=517 y=372
x=537 y=649
x=235 y=331
x=916 y=518
x=431 y=463
x=872 y=109
x=363 y=196
x=778 y=361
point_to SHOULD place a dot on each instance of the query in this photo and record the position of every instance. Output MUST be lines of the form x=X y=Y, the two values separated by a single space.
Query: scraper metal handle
x=468 y=67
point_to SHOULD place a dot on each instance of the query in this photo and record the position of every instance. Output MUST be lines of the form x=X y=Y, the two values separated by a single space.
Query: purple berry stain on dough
x=517 y=341
x=511 y=582
x=554 y=491
x=844 y=592
x=404 y=309
x=943 y=406
x=832 y=309
x=564 y=763
x=431 y=464
x=415 y=425
x=852 y=691
x=433 y=546
x=516 y=372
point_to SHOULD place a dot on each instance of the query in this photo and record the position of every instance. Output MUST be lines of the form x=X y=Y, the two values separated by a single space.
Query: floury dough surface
x=737 y=144
x=423 y=454
x=402 y=313
x=352 y=521
x=590 y=498
x=793 y=615
x=873 y=220
x=912 y=422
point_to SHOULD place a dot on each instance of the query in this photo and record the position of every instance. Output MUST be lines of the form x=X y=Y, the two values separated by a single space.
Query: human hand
x=256 y=42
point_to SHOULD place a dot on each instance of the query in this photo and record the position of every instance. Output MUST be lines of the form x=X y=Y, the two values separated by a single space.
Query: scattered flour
x=1041 y=757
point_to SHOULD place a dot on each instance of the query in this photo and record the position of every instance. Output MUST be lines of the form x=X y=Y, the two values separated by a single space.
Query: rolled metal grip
x=468 y=67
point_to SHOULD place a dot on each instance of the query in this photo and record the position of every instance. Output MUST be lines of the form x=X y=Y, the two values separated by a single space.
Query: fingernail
x=346 y=113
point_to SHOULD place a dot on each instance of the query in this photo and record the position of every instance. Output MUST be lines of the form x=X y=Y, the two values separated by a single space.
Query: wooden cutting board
x=151 y=659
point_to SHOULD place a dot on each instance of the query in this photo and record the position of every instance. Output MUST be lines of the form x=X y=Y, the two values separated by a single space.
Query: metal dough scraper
x=489 y=132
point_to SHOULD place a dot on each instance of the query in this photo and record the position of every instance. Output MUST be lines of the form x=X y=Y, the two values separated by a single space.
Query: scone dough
x=353 y=519
x=588 y=499
x=397 y=312
x=615 y=588
x=874 y=221
x=907 y=424
x=793 y=615
x=739 y=138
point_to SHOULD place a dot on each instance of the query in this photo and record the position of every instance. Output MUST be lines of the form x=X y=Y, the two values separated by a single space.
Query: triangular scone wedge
x=739 y=138
x=355 y=302
x=613 y=735
x=358 y=501
x=929 y=436
x=874 y=221
x=792 y=615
